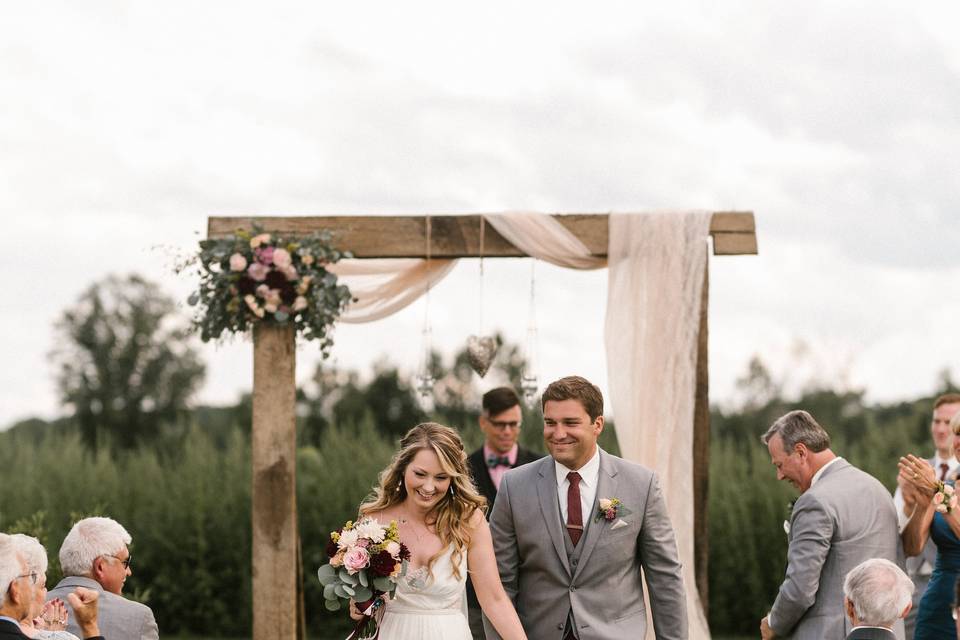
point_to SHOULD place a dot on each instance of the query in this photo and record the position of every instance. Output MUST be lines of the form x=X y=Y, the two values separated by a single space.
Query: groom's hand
x=766 y=633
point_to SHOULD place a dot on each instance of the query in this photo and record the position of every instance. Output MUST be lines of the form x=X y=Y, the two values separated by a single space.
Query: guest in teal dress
x=937 y=515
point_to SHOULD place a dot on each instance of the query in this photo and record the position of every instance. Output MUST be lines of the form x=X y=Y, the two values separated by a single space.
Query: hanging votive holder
x=529 y=384
x=423 y=385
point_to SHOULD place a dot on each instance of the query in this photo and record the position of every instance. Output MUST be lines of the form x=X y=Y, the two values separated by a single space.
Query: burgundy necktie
x=944 y=467
x=574 y=511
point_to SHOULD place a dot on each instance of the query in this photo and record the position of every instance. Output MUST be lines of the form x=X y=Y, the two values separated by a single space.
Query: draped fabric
x=656 y=263
x=382 y=287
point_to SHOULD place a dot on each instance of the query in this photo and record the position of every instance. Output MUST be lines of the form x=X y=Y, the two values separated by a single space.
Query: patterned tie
x=494 y=461
x=574 y=510
x=944 y=467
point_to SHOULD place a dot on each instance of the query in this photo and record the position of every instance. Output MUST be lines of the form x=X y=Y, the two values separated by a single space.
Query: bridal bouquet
x=366 y=561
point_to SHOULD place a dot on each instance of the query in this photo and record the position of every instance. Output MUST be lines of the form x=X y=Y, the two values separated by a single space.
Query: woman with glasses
x=937 y=516
x=43 y=621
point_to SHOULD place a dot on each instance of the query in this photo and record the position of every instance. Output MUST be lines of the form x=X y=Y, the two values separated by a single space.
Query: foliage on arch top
x=250 y=278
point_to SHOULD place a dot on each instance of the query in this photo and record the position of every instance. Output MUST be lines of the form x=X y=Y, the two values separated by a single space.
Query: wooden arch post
x=275 y=542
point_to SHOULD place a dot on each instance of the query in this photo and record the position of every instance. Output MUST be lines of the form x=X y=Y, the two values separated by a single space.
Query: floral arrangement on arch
x=248 y=278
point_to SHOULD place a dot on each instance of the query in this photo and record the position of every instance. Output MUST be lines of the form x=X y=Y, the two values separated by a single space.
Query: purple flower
x=265 y=255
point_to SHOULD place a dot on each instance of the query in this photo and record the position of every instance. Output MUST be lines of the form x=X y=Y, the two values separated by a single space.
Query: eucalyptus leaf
x=329 y=593
x=364 y=580
x=382 y=584
x=347 y=578
x=340 y=591
x=326 y=574
x=332 y=605
x=350 y=590
x=362 y=594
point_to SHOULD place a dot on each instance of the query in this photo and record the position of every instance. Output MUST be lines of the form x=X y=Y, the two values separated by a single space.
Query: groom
x=572 y=571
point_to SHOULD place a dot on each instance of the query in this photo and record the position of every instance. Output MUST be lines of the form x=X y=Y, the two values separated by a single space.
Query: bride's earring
x=399 y=486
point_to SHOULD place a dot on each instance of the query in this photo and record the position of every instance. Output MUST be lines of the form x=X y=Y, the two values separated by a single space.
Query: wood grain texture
x=274 y=507
x=458 y=236
x=701 y=449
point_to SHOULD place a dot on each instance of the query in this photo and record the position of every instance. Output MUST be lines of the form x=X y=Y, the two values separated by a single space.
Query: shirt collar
x=588 y=472
x=9 y=619
x=820 y=471
x=952 y=462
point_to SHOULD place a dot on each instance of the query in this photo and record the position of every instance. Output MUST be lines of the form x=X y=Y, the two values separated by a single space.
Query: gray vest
x=573 y=557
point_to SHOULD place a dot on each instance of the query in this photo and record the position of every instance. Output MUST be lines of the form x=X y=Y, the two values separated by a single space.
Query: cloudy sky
x=124 y=125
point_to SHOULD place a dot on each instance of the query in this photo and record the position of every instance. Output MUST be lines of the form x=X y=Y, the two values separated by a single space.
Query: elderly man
x=20 y=587
x=876 y=593
x=94 y=555
x=842 y=517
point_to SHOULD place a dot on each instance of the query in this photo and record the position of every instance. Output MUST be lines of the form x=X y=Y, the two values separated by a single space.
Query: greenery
x=124 y=361
x=247 y=278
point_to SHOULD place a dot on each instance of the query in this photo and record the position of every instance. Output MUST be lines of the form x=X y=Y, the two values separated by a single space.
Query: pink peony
x=282 y=258
x=258 y=271
x=265 y=255
x=237 y=262
x=355 y=559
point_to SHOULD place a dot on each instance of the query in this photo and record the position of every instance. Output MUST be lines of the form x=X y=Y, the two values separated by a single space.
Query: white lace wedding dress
x=425 y=608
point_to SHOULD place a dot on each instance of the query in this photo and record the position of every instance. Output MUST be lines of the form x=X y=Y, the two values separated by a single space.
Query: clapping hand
x=53 y=617
x=918 y=474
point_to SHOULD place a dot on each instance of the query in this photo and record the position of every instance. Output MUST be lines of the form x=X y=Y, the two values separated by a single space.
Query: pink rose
x=337 y=559
x=300 y=303
x=355 y=559
x=290 y=272
x=258 y=271
x=282 y=258
x=938 y=498
x=237 y=262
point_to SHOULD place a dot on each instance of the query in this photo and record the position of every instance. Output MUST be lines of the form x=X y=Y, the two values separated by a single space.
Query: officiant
x=500 y=423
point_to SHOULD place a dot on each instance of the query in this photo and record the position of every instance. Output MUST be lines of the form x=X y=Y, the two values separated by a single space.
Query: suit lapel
x=550 y=506
x=606 y=488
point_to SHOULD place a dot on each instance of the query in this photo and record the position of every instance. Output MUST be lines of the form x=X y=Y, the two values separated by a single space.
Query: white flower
x=605 y=503
x=393 y=548
x=282 y=259
x=300 y=303
x=237 y=262
x=372 y=530
x=348 y=538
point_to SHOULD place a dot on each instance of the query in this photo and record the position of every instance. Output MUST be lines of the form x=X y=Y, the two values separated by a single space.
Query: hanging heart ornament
x=480 y=353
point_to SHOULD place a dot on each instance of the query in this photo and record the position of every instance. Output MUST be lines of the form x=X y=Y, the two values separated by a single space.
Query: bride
x=427 y=489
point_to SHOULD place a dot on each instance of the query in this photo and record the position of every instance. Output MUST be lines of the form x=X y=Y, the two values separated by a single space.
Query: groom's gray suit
x=844 y=518
x=598 y=580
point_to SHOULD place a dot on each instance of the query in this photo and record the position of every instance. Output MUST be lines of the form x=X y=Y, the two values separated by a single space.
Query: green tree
x=124 y=359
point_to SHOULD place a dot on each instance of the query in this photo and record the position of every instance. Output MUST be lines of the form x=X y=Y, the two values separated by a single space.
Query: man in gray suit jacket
x=843 y=517
x=573 y=569
x=94 y=555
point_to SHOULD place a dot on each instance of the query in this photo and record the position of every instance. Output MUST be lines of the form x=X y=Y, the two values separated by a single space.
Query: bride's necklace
x=409 y=521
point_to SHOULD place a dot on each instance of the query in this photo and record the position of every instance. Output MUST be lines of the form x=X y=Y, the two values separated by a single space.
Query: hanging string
x=482 y=227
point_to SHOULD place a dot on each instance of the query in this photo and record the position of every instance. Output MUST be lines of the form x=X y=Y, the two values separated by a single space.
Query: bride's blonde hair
x=451 y=515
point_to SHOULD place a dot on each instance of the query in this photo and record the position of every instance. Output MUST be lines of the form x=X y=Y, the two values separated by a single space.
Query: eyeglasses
x=503 y=424
x=125 y=562
x=33 y=575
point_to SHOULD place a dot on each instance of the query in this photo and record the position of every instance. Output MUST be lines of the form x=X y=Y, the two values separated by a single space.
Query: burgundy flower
x=276 y=280
x=383 y=563
x=332 y=546
x=247 y=286
x=404 y=552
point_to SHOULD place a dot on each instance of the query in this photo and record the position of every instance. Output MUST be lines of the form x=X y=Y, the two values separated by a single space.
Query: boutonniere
x=944 y=500
x=786 y=523
x=611 y=509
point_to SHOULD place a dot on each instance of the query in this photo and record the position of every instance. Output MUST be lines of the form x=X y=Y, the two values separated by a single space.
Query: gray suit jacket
x=117 y=617
x=845 y=518
x=604 y=590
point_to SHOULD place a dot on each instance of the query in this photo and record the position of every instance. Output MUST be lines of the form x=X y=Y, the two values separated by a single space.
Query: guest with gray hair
x=42 y=621
x=95 y=555
x=20 y=589
x=842 y=517
x=876 y=593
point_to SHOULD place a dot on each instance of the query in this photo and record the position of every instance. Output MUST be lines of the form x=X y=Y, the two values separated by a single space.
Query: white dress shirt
x=589 y=475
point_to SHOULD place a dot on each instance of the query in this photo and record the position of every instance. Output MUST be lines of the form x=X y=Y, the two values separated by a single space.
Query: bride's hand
x=354 y=613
